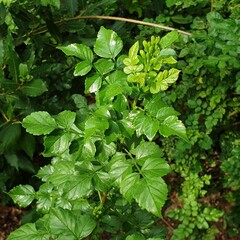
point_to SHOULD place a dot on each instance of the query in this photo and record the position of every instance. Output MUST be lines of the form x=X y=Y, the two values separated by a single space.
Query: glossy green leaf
x=65 y=119
x=151 y=194
x=119 y=168
x=146 y=125
x=172 y=126
x=108 y=44
x=168 y=39
x=104 y=66
x=93 y=84
x=68 y=226
x=102 y=181
x=23 y=195
x=127 y=185
x=82 y=68
x=147 y=149
x=34 y=88
x=39 y=123
x=56 y=145
x=165 y=112
x=78 y=50
x=28 y=232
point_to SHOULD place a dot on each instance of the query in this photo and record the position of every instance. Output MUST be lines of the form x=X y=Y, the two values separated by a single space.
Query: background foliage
x=35 y=76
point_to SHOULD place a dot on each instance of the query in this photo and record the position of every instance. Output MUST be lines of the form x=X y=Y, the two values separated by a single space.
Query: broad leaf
x=146 y=125
x=65 y=119
x=34 y=88
x=165 y=112
x=56 y=145
x=172 y=126
x=104 y=66
x=23 y=195
x=68 y=226
x=38 y=123
x=168 y=39
x=108 y=44
x=28 y=232
x=151 y=194
x=128 y=184
x=119 y=168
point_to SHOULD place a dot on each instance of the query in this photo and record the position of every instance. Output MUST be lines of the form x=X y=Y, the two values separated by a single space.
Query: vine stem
x=44 y=28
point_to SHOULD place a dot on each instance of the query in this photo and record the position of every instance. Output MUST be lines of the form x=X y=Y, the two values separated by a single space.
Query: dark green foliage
x=103 y=103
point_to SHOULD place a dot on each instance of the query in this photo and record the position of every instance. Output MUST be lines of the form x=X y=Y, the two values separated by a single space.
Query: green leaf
x=155 y=167
x=65 y=119
x=151 y=194
x=104 y=66
x=168 y=39
x=28 y=144
x=102 y=181
x=78 y=50
x=39 y=123
x=78 y=186
x=28 y=232
x=108 y=44
x=9 y=135
x=34 y=88
x=127 y=185
x=165 y=112
x=82 y=68
x=172 y=126
x=56 y=145
x=93 y=84
x=119 y=168
x=64 y=223
x=146 y=125
x=147 y=149
x=135 y=237
x=23 y=195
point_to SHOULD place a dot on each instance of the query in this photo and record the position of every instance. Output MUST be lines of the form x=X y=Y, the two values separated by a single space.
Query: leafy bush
x=104 y=155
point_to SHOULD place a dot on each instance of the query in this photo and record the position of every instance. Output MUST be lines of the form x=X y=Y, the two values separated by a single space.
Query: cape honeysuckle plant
x=106 y=169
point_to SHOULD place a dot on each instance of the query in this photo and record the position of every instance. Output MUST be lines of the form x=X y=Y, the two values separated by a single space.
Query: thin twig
x=124 y=20
x=44 y=28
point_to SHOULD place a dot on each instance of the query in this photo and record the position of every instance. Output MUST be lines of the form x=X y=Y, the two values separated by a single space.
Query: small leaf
x=172 y=126
x=78 y=50
x=34 y=88
x=93 y=84
x=108 y=44
x=133 y=51
x=39 y=123
x=23 y=195
x=82 y=68
x=168 y=39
